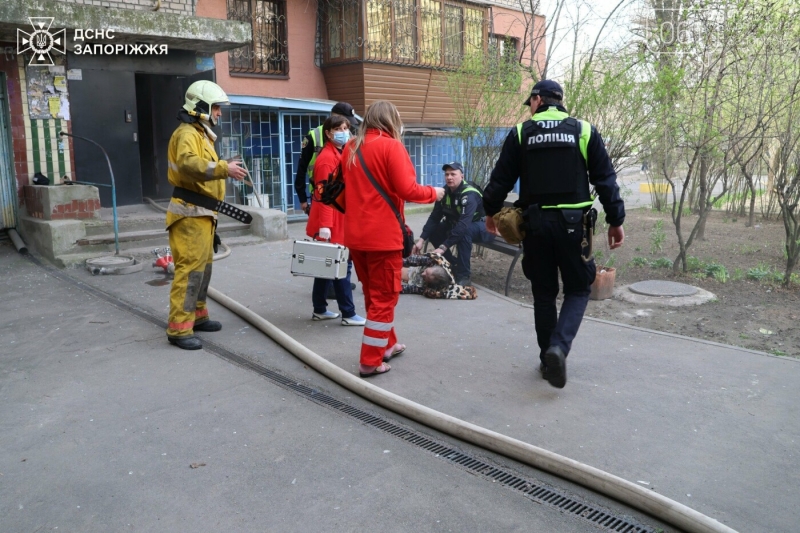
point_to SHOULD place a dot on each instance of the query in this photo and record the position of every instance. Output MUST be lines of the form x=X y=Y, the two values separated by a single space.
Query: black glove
x=217 y=242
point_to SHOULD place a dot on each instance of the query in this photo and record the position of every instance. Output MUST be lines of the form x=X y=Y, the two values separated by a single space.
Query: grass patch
x=759 y=273
x=718 y=272
x=662 y=262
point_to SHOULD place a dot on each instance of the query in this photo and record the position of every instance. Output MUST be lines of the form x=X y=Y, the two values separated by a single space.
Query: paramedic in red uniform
x=371 y=230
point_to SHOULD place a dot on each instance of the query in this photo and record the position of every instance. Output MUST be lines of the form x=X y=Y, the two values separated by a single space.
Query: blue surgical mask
x=341 y=137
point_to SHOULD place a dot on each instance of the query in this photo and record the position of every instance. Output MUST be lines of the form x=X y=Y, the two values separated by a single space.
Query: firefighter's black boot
x=189 y=342
x=207 y=325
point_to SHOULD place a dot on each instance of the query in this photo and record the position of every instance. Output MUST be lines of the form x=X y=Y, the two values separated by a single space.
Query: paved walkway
x=711 y=426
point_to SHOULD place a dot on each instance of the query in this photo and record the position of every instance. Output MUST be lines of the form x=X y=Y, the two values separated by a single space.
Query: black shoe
x=186 y=343
x=207 y=325
x=555 y=363
x=542 y=369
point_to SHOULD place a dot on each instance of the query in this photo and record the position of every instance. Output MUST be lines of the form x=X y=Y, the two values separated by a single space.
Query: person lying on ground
x=431 y=276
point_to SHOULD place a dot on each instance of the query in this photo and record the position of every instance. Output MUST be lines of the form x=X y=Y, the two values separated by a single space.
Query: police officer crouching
x=557 y=158
x=456 y=219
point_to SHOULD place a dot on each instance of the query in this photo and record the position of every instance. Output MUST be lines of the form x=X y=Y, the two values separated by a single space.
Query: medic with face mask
x=327 y=224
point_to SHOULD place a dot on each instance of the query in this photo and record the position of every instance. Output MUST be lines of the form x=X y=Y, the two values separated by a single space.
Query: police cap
x=346 y=110
x=455 y=165
x=546 y=88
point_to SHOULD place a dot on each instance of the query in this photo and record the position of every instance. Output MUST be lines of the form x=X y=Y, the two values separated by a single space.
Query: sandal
x=382 y=369
x=396 y=350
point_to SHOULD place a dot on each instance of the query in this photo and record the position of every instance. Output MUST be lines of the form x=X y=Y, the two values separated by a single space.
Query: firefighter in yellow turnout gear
x=195 y=166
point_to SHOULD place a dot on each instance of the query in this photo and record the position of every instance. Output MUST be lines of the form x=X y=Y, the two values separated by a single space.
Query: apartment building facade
x=119 y=75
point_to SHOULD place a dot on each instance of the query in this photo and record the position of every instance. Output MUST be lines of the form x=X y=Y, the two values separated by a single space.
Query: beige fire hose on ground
x=602 y=482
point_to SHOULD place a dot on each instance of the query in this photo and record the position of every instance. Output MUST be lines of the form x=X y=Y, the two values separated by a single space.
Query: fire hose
x=602 y=482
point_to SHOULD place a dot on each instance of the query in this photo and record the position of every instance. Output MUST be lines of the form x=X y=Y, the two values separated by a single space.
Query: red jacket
x=321 y=215
x=370 y=224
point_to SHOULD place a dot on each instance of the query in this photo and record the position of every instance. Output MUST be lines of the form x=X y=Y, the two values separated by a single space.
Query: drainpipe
x=17 y=240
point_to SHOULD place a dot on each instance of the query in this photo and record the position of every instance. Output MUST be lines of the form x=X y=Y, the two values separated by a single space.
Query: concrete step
x=131 y=223
x=150 y=238
x=144 y=253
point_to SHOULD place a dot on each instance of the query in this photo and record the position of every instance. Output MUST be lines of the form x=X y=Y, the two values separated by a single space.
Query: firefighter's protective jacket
x=194 y=165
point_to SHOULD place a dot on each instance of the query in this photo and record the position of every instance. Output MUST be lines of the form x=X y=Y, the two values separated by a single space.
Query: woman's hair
x=333 y=122
x=381 y=115
x=439 y=278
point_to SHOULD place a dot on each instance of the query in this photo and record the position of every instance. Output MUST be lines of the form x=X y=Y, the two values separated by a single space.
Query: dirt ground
x=751 y=309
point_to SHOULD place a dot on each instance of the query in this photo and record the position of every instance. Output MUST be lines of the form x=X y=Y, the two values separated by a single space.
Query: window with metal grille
x=410 y=32
x=268 y=53
x=503 y=48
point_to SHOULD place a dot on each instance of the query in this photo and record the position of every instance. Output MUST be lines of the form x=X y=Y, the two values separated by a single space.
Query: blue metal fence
x=269 y=141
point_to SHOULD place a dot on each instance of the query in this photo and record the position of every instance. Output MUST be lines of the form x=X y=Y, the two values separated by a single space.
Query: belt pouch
x=573 y=219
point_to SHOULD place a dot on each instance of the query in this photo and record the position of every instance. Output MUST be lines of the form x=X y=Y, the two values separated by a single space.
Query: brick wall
x=181 y=7
x=57 y=203
x=305 y=78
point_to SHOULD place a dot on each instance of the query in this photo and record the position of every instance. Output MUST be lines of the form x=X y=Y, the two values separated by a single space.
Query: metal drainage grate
x=530 y=489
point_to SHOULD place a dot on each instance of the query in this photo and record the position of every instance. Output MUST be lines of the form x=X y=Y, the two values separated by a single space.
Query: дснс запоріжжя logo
x=41 y=42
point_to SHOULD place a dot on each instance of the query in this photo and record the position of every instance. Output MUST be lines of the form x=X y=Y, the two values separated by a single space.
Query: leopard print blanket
x=453 y=291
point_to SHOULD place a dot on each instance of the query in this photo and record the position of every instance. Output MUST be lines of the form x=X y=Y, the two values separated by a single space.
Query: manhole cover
x=662 y=288
x=110 y=261
x=113 y=264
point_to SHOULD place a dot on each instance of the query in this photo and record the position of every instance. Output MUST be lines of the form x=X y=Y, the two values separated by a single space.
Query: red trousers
x=379 y=274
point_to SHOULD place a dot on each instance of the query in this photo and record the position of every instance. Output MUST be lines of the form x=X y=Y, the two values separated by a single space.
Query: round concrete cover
x=662 y=288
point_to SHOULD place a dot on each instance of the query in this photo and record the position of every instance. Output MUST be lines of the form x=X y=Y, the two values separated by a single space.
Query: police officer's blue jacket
x=467 y=200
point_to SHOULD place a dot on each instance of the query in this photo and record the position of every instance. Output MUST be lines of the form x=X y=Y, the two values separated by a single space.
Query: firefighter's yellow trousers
x=192 y=242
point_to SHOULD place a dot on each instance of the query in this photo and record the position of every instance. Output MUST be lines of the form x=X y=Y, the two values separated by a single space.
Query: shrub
x=639 y=261
x=657 y=237
x=693 y=264
x=759 y=272
x=718 y=272
x=661 y=263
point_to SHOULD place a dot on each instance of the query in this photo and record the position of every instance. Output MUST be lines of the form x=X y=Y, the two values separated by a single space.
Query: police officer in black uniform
x=456 y=219
x=556 y=158
x=312 y=145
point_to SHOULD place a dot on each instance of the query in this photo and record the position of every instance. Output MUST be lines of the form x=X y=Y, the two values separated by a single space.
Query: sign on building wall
x=48 y=97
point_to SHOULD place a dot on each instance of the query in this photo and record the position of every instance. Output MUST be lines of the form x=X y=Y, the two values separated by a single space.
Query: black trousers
x=476 y=233
x=554 y=249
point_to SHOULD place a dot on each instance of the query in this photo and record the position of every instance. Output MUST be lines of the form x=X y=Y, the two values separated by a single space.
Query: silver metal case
x=319 y=259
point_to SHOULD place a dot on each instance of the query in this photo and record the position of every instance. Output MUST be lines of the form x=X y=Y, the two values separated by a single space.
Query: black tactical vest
x=555 y=170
